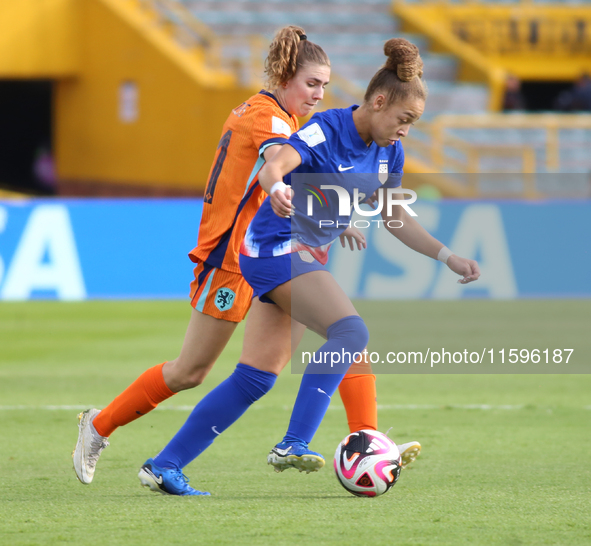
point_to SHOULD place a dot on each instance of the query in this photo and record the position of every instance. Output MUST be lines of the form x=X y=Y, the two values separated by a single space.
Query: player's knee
x=187 y=375
x=192 y=381
x=351 y=332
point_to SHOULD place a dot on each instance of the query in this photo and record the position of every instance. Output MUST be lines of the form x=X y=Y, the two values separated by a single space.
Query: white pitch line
x=78 y=408
x=483 y=407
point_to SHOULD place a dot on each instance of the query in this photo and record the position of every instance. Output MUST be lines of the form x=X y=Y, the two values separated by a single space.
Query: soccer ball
x=367 y=463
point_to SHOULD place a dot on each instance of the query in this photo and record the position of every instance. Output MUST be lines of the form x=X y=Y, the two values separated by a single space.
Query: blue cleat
x=295 y=455
x=168 y=481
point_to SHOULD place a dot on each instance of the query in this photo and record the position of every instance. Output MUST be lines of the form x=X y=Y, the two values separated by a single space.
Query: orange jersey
x=233 y=194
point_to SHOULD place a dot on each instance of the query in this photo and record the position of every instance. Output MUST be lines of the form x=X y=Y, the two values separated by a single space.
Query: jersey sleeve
x=312 y=142
x=270 y=128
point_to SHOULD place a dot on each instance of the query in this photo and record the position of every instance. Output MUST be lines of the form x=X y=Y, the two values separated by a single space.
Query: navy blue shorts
x=265 y=274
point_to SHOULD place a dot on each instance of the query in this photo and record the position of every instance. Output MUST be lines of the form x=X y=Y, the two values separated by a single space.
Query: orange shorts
x=220 y=294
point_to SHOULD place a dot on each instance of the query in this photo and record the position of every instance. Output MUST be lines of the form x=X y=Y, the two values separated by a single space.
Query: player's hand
x=373 y=199
x=468 y=269
x=354 y=237
x=281 y=202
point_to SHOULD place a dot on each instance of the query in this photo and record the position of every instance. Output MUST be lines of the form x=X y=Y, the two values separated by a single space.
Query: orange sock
x=358 y=393
x=141 y=397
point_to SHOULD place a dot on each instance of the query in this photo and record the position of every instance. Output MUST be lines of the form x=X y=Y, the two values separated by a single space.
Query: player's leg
x=316 y=300
x=270 y=337
x=205 y=339
x=212 y=323
x=358 y=393
x=265 y=353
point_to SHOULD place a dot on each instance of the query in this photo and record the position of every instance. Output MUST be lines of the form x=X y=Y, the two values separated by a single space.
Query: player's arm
x=407 y=230
x=271 y=151
x=352 y=236
x=282 y=163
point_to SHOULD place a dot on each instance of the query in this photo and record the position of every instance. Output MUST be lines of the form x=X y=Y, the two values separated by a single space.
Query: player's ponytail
x=289 y=51
x=401 y=77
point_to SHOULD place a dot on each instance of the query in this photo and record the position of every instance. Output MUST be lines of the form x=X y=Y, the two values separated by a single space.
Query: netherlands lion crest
x=224 y=299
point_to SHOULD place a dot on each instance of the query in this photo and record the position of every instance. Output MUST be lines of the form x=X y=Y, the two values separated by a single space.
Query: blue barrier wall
x=79 y=249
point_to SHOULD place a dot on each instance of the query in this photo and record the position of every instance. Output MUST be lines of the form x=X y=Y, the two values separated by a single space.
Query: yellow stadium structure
x=132 y=107
x=141 y=88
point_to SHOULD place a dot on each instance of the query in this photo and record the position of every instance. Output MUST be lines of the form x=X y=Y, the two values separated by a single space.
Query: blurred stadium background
x=126 y=98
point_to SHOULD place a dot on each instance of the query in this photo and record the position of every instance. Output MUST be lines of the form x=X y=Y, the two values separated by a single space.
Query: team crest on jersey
x=383 y=171
x=224 y=299
x=312 y=135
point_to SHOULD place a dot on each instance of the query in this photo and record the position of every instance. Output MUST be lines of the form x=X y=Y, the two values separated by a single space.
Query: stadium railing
x=507 y=144
x=473 y=65
x=533 y=40
x=241 y=55
x=453 y=145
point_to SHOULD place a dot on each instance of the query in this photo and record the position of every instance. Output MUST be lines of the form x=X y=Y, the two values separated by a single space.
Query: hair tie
x=303 y=37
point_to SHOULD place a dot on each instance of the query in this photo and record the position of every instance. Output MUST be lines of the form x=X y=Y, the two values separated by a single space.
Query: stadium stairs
x=460 y=149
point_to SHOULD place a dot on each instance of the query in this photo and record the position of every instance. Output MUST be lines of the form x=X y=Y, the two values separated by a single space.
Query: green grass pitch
x=506 y=458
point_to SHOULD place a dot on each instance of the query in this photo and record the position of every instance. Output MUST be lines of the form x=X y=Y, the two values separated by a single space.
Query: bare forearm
x=269 y=174
x=415 y=236
x=279 y=162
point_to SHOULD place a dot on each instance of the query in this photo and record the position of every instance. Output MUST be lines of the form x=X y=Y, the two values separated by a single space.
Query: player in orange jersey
x=297 y=72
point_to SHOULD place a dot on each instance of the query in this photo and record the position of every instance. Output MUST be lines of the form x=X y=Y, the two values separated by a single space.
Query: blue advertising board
x=79 y=249
x=130 y=248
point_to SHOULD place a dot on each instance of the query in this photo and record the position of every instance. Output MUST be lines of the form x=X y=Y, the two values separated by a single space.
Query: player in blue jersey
x=297 y=72
x=339 y=321
x=284 y=250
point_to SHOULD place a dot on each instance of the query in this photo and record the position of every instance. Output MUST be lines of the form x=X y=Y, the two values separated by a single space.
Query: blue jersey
x=332 y=154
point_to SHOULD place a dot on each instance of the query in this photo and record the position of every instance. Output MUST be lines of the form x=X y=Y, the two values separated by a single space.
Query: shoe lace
x=178 y=476
x=96 y=447
x=294 y=443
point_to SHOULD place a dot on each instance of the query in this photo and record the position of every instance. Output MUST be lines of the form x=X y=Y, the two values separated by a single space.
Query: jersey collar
x=268 y=94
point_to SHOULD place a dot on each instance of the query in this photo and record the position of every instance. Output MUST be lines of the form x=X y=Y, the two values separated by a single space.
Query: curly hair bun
x=403 y=58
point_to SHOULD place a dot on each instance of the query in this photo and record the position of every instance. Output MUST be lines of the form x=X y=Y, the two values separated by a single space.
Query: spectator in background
x=577 y=99
x=513 y=99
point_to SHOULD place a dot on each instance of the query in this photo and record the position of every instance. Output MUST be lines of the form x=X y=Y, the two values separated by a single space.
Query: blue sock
x=320 y=380
x=214 y=414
